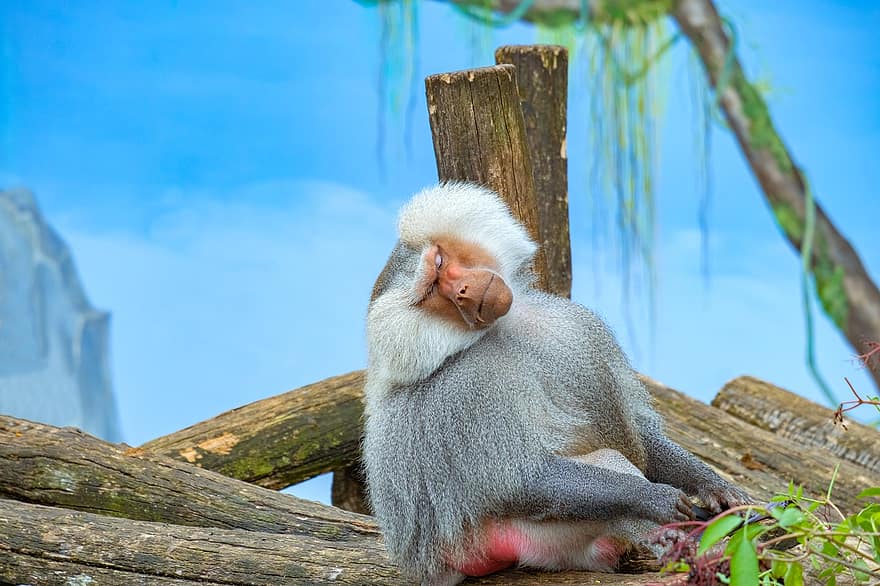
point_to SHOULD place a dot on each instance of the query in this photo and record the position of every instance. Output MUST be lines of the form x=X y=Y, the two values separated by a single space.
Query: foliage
x=793 y=539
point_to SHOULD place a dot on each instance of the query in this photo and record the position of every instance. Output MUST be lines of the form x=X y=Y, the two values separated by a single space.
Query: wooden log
x=47 y=546
x=204 y=518
x=542 y=80
x=758 y=460
x=782 y=412
x=74 y=470
x=44 y=545
x=68 y=468
x=479 y=136
x=279 y=441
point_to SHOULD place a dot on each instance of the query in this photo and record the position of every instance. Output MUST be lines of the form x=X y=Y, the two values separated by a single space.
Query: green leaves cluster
x=827 y=551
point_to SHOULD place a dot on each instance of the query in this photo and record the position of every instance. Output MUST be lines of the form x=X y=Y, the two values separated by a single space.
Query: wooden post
x=349 y=489
x=479 y=136
x=542 y=80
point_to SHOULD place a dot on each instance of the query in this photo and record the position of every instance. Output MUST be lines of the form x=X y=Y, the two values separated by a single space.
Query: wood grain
x=542 y=81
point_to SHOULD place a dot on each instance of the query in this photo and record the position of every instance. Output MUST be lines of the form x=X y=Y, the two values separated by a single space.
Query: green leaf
x=790 y=571
x=716 y=531
x=831 y=550
x=874 y=491
x=779 y=568
x=794 y=576
x=747 y=532
x=789 y=517
x=864 y=575
x=744 y=564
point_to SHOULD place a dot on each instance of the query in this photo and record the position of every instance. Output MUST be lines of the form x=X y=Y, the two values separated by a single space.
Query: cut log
x=542 y=80
x=73 y=469
x=279 y=441
x=758 y=460
x=179 y=524
x=44 y=545
x=68 y=468
x=47 y=546
x=800 y=420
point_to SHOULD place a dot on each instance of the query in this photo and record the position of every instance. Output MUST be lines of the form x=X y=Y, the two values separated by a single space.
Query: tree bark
x=760 y=461
x=349 y=490
x=542 y=80
x=43 y=545
x=847 y=293
x=279 y=441
x=68 y=468
x=804 y=422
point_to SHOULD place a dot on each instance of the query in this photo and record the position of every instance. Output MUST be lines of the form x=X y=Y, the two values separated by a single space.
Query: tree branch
x=847 y=293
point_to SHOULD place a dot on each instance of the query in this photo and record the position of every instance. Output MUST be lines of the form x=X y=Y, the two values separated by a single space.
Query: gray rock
x=54 y=346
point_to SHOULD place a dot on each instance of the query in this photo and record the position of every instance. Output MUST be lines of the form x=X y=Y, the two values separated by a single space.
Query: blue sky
x=214 y=169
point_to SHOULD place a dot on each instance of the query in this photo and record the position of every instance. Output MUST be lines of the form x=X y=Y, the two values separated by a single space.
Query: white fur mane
x=406 y=344
x=470 y=213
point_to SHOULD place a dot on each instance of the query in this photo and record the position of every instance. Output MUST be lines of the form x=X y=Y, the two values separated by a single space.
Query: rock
x=54 y=346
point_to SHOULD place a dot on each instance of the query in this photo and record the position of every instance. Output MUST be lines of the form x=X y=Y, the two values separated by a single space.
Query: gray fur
x=495 y=430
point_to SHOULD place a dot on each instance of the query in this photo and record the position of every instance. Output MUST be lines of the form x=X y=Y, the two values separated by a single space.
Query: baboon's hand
x=666 y=504
x=722 y=495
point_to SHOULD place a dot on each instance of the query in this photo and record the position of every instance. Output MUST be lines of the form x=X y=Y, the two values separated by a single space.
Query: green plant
x=793 y=537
